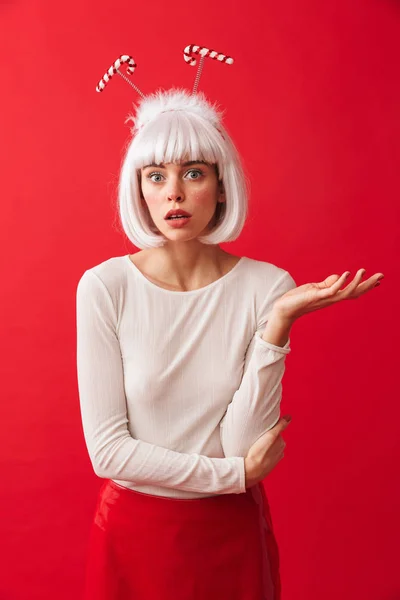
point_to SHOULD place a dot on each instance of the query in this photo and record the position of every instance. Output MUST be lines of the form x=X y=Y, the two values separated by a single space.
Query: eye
x=198 y=171
x=150 y=176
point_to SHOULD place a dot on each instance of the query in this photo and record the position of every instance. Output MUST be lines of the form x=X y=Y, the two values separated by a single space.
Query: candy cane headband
x=188 y=53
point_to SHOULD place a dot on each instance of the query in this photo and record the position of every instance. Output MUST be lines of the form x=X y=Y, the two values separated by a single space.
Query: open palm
x=314 y=296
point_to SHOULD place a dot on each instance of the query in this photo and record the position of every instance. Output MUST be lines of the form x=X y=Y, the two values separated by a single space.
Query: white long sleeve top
x=175 y=386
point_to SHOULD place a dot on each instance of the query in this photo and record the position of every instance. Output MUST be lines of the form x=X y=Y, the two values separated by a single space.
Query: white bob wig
x=171 y=126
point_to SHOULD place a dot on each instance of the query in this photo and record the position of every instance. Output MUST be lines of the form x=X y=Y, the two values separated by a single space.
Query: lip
x=177 y=211
x=178 y=223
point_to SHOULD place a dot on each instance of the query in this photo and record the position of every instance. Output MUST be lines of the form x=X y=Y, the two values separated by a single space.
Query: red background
x=312 y=102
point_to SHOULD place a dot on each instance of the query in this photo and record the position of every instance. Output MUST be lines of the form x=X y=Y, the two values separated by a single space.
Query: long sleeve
x=113 y=452
x=255 y=406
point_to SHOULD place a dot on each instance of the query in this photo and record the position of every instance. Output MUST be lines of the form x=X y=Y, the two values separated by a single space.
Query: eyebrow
x=185 y=164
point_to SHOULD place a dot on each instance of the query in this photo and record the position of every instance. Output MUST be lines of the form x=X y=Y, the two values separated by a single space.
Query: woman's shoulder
x=110 y=271
x=267 y=270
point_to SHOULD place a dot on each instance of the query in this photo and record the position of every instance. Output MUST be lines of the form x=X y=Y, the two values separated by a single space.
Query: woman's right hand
x=265 y=453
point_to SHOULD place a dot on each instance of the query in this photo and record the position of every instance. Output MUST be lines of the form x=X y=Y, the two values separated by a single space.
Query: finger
x=367 y=285
x=353 y=290
x=348 y=290
x=330 y=291
x=328 y=281
x=280 y=426
x=356 y=288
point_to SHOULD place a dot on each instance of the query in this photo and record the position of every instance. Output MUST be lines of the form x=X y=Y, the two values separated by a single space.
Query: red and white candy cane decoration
x=192 y=49
x=131 y=66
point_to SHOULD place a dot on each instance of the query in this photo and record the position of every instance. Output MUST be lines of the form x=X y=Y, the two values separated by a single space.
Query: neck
x=186 y=262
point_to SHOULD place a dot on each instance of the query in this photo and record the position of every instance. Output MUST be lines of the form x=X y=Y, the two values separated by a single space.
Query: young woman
x=180 y=354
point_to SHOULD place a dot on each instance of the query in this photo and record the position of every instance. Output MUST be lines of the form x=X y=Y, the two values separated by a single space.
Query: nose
x=174 y=189
x=175 y=197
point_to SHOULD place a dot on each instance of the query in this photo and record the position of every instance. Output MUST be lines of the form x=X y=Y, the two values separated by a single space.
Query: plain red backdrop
x=312 y=101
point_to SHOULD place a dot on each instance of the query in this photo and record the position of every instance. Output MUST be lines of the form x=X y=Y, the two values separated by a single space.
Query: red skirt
x=146 y=547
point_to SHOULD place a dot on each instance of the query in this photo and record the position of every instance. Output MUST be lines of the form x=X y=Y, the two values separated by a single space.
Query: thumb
x=284 y=421
x=281 y=425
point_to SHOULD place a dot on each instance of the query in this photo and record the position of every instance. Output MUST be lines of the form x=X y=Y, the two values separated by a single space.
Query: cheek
x=203 y=198
x=150 y=197
x=151 y=200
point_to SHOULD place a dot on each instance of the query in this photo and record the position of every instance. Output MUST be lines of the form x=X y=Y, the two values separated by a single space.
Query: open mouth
x=178 y=221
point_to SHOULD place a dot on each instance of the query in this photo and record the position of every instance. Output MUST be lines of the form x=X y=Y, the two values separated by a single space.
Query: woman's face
x=190 y=186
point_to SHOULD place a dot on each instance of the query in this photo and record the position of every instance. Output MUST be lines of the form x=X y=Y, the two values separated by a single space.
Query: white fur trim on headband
x=176 y=99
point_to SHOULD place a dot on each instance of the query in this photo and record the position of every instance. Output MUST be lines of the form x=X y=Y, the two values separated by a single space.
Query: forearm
x=277 y=330
x=133 y=460
x=255 y=407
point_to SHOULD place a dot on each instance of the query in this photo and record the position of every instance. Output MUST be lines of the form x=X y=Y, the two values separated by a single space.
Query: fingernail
x=377 y=283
